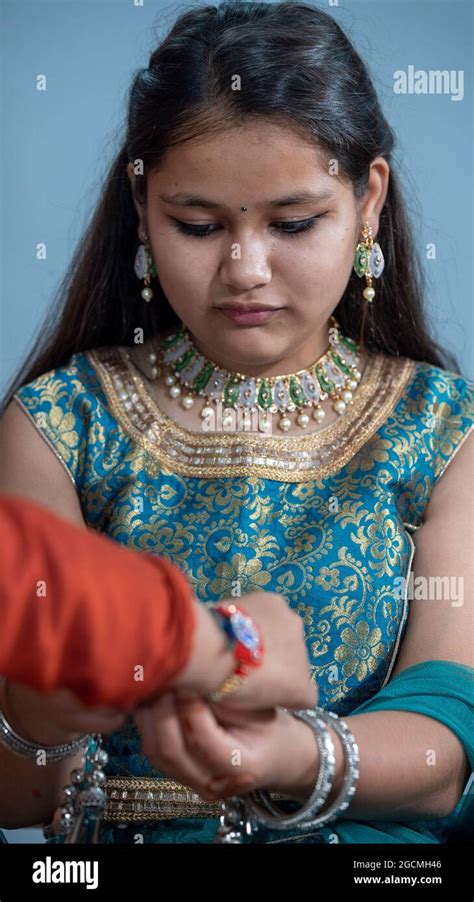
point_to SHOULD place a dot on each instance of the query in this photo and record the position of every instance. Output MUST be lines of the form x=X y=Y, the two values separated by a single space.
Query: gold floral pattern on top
x=380 y=541
x=330 y=532
x=361 y=649
x=333 y=536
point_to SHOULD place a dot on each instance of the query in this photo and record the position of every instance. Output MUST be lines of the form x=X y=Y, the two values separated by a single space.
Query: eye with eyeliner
x=291 y=228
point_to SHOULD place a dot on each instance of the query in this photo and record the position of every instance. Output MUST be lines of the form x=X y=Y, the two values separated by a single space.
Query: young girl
x=242 y=380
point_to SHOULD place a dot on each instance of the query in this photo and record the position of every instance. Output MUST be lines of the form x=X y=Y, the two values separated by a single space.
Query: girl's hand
x=220 y=753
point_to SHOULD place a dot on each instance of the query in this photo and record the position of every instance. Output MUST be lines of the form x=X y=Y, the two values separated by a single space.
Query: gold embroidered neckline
x=161 y=413
x=288 y=458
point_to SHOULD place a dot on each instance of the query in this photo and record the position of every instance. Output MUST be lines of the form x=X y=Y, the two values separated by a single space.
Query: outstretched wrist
x=211 y=661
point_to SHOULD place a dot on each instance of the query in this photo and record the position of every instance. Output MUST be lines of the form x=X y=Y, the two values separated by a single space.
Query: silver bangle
x=305 y=817
x=12 y=741
x=263 y=808
x=351 y=773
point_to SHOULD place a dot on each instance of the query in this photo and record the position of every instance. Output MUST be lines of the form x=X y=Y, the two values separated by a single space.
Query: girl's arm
x=29 y=467
x=412 y=765
x=40 y=629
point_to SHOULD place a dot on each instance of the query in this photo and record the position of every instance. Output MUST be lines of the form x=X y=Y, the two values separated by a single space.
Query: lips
x=248 y=315
x=247 y=308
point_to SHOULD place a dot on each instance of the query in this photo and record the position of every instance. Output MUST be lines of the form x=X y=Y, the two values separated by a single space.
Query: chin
x=251 y=349
x=242 y=346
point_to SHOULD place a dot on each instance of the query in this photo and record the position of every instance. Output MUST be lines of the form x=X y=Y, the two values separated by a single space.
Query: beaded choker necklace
x=335 y=375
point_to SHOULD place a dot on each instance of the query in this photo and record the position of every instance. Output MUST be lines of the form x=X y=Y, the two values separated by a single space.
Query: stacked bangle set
x=311 y=816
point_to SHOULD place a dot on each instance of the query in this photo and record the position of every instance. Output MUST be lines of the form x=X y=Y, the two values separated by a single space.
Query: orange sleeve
x=79 y=611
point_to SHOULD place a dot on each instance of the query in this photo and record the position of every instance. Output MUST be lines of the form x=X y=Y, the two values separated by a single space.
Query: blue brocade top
x=324 y=519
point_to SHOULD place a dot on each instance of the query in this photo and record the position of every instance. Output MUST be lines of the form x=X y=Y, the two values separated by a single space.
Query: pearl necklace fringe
x=335 y=375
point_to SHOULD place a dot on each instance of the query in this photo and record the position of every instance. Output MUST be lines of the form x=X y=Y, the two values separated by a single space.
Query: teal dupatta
x=443 y=690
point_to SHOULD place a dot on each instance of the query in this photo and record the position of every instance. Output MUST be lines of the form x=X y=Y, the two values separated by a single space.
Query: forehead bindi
x=300 y=197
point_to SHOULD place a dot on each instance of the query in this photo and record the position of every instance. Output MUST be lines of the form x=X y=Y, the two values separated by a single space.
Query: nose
x=246 y=264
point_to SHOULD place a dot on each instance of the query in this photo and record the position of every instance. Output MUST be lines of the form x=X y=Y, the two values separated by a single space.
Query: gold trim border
x=453 y=455
x=139 y=799
x=45 y=438
x=382 y=384
x=405 y=611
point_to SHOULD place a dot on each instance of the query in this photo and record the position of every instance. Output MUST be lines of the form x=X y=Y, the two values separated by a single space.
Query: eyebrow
x=194 y=200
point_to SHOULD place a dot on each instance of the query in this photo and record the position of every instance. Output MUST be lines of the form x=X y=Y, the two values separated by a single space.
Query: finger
x=163 y=744
x=203 y=737
x=215 y=747
x=228 y=715
x=226 y=787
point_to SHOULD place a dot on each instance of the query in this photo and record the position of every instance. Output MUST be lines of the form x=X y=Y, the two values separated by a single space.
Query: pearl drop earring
x=144 y=267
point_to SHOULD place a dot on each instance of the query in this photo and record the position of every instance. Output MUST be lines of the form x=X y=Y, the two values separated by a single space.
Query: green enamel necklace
x=189 y=374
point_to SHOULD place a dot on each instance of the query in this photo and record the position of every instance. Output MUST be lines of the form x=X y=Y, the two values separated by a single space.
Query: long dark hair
x=296 y=66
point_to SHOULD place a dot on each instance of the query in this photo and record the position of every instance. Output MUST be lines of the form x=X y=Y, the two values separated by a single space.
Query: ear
x=140 y=207
x=371 y=204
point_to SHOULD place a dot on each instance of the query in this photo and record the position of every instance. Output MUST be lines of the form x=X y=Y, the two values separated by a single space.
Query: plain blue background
x=56 y=144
